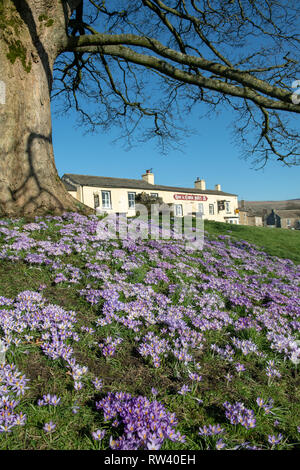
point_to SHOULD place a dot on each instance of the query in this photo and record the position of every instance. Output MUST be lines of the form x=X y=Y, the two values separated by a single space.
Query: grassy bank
x=276 y=242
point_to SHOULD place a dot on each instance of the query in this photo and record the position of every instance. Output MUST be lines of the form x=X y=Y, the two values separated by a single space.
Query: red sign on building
x=190 y=197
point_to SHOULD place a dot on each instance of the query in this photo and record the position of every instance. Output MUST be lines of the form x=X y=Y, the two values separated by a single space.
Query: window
x=221 y=206
x=211 y=209
x=131 y=200
x=178 y=210
x=227 y=205
x=200 y=208
x=96 y=201
x=106 y=200
x=154 y=194
x=288 y=222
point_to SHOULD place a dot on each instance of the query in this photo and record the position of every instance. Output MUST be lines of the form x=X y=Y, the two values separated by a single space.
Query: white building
x=118 y=195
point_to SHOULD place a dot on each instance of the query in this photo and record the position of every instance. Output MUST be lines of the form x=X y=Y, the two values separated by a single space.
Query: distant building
x=117 y=195
x=249 y=217
x=243 y=213
x=284 y=219
x=255 y=220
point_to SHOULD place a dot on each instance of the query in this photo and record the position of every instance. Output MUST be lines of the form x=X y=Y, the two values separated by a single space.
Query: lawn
x=276 y=242
x=144 y=344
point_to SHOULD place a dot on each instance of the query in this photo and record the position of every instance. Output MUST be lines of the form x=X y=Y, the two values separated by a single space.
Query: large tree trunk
x=31 y=34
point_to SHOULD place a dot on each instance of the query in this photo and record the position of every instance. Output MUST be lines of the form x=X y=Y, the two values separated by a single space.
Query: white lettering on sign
x=189 y=197
x=2 y=92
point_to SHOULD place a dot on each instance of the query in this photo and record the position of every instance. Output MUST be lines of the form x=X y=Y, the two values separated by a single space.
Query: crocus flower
x=99 y=434
x=49 y=427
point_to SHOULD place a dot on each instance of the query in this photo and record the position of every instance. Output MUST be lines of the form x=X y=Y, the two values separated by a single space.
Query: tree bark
x=31 y=35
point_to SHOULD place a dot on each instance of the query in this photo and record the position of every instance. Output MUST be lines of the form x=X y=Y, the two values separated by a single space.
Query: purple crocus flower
x=99 y=434
x=275 y=440
x=49 y=427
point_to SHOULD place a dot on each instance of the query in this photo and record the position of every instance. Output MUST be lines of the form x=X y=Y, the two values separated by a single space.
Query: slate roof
x=69 y=186
x=108 y=182
x=288 y=214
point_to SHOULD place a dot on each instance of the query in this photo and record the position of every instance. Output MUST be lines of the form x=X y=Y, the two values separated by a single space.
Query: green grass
x=283 y=243
x=276 y=242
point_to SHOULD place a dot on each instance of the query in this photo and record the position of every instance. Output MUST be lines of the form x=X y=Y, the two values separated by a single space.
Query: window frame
x=200 y=204
x=211 y=209
x=130 y=193
x=96 y=196
x=181 y=210
x=102 y=199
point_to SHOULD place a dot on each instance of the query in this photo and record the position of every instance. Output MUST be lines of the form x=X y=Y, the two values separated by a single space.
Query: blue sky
x=209 y=154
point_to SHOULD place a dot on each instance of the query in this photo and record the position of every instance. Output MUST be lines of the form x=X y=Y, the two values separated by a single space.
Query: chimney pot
x=148 y=177
x=200 y=184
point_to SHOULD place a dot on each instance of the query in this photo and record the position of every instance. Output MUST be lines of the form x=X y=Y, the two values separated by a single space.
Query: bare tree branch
x=242 y=54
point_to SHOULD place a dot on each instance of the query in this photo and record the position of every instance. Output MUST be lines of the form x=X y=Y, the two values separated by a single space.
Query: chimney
x=218 y=187
x=148 y=176
x=200 y=184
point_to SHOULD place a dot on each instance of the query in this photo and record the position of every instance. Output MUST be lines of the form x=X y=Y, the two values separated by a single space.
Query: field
x=143 y=344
